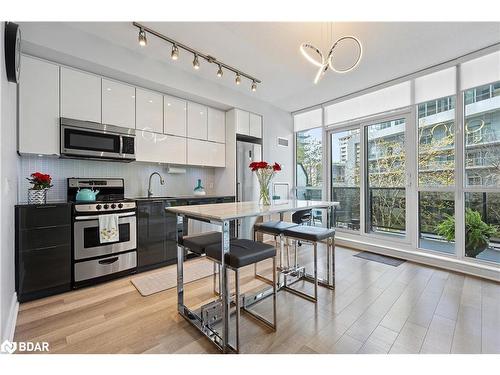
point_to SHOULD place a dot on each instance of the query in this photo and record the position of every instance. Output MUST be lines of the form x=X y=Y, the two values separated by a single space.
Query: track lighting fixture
x=196 y=63
x=197 y=55
x=175 y=52
x=143 y=41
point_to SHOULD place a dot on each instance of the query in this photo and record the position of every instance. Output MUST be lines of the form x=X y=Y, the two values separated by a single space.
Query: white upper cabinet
x=118 y=104
x=160 y=148
x=242 y=122
x=216 y=125
x=80 y=95
x=255 y=126
x=174 y=116
x=38 y=107
x=204 y=153
x=197 y=121
x=149 y=111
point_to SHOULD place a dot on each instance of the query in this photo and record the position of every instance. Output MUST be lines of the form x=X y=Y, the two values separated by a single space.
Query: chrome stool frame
x=300 y=274
x=283 y=243
x=241 y=303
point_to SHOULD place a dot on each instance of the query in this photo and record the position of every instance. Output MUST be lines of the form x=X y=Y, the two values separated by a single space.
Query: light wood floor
x=375 y=308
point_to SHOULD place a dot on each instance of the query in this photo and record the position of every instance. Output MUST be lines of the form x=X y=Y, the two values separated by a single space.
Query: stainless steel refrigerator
x=247 y=185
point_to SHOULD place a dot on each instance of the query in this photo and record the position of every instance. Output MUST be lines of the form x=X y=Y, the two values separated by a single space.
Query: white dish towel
x=108 y=228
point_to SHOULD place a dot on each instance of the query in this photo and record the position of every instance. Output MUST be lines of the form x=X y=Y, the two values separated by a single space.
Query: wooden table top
x=238 y=210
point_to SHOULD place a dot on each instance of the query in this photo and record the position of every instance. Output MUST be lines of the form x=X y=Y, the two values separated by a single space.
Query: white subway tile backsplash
x=136 y=176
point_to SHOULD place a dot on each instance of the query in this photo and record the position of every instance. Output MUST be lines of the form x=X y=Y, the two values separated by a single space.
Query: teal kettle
x=86 y=195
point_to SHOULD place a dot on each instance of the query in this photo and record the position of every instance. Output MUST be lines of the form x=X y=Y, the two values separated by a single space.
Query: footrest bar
x=259 y=318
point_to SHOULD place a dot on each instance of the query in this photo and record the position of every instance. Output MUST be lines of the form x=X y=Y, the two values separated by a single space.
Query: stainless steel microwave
x=91 y=140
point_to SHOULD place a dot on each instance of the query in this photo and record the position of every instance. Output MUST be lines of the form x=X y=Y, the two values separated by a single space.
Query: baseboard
x=10 y=327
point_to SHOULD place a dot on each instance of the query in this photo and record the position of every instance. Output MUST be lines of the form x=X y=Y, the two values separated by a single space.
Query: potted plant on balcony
x=477 y=232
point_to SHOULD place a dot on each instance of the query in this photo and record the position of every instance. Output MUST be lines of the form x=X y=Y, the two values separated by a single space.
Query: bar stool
x=314 y=235
x=275 y=229
x=197 y=243
x=242 y=253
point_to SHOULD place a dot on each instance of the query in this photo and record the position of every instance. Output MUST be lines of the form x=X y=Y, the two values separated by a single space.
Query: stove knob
x=98 y=207
x=120 y=205
x=106 y=206
x=113 y=206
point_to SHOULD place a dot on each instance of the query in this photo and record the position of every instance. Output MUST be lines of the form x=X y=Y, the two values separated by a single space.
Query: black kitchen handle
x=46 y=206
x=108 y=261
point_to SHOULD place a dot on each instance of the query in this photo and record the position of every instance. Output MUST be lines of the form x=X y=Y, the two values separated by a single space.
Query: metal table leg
x=180 y=269
x=224 y=284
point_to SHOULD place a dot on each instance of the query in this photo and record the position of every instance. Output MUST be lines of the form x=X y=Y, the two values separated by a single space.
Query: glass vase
x=264 y=197
x=37 y=196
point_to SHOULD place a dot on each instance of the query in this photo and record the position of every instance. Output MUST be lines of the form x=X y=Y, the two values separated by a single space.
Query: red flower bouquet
x=40 y=181
x=265 y=172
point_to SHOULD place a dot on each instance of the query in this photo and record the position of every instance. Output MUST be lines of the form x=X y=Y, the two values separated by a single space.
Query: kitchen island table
x=222 y=214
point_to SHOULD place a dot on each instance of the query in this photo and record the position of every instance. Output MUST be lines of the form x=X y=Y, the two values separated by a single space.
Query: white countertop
x=238 y=210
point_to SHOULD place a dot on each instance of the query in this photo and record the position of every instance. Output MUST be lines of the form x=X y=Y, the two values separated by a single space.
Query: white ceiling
x=270 y=52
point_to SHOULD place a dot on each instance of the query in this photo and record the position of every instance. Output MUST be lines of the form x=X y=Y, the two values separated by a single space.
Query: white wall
x=8 y=197
x=66 y=45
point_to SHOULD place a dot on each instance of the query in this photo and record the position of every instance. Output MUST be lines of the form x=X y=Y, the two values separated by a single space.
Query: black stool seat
x=242 y=252
x=274 y=227
x=197 y=243
x=308 y=233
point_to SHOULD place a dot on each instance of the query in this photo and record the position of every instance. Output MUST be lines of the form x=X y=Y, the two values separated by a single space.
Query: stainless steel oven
x=91 y=140
x=86 y=236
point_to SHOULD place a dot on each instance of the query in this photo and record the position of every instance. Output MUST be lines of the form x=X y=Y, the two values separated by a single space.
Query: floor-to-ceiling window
x=418 y=163
x=482 y=172
x=309 y=164
x=436 y=173
x=309 y=167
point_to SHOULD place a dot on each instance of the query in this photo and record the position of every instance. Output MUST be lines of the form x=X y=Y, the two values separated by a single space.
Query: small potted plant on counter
x=37 y=194
x=265 y=172
x=477 y=232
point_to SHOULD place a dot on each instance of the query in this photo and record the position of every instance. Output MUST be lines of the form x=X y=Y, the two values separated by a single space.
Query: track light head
x=238 y=79
x=220 y=72
x=143 y=41
x=254 y=86
x=196 y=63
x=175 y=52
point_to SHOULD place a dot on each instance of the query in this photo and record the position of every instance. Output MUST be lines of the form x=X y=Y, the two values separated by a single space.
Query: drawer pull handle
x=108 y=261
x=45 y=206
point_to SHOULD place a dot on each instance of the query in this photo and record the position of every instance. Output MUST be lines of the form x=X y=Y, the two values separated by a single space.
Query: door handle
x=108 y=261
x=238 y=191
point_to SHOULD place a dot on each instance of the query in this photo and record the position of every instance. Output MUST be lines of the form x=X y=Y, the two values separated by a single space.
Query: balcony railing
x=386 y=210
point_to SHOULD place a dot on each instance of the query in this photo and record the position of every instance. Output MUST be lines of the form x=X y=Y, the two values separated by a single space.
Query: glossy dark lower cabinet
x=156 y=234
x=43 y=250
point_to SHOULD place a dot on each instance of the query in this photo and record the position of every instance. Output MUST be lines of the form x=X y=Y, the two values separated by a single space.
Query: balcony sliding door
x=386 y=169
x=369 y=177
x=345 y=177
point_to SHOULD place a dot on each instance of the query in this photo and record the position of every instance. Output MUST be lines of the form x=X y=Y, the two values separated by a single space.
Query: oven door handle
x=96 y=217
x=108 y=261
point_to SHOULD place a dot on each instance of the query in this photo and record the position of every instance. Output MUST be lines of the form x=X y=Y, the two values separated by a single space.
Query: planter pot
x=473 y=252
x=38 y=196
